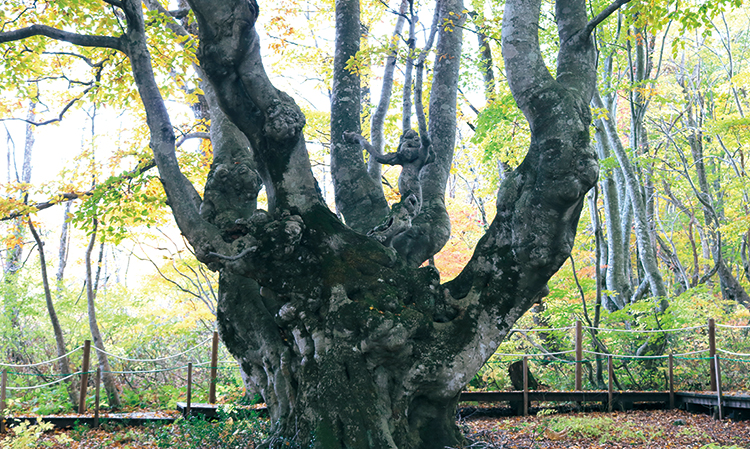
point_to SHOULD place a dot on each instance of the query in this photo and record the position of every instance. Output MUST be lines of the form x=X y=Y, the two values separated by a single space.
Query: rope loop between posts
x=151 y=371
x=645 y=331
x=18 y=373
x=735 y=360
x=157 y=359
x=46 y=362
x=732 y=326
x=739 y=354
x=543 y=329
x=618 y=356
x=646 y=356
x=45 y=385
x=533 y=355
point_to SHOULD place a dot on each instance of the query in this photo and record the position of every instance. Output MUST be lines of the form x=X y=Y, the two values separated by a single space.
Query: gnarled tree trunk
x=350 y=344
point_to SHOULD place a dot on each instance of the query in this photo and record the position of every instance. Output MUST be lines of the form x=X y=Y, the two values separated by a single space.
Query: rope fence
x=44 y=385
x=700 y=351
x=645 y=331
x=696 y=375
x=46 y=362
x=162 y=359
x=214 y=364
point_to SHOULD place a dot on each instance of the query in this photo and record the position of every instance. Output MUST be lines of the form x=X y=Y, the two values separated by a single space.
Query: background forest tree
x=666 y=227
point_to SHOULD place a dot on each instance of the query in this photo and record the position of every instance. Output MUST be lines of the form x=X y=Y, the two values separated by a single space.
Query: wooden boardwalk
x=67 y=421
x=735 y=406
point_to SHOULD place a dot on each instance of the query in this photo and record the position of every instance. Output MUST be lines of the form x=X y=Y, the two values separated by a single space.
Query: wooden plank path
x=683 y=397
x=67 y=421
x=211 y=410
x=736 y=406
x=718 y=402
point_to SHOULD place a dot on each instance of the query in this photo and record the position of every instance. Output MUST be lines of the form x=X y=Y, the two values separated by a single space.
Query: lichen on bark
x=347 y=340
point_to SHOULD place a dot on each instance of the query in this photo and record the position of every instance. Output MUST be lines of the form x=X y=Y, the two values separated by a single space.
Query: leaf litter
x=594 y=430
x=647 y=429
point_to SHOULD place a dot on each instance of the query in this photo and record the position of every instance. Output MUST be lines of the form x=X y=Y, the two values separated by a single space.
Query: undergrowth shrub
x=27 y=435
x=233 y=428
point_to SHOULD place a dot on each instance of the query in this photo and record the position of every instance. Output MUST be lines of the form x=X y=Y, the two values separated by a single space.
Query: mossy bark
x=349 y=344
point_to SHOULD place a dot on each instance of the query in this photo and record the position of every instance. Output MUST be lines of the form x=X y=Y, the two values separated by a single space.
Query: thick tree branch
x=195 y=135
x=171 y=23
x=359 y=197
x=229 y=53
x=83 y=40
x=377 y=122
x=606 y=12
x=182 y=196
x=524 y=65
x=179 y=13
x=116 y=3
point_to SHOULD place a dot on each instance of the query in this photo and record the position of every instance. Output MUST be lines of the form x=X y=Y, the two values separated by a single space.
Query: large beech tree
x=350 y=342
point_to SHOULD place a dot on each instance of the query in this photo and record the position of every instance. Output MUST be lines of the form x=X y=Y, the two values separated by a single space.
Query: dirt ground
x=641 y=429
x=631 y=429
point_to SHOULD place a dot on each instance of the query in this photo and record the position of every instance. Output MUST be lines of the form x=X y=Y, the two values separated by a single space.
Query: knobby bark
x=359 y=198
x=349 y=344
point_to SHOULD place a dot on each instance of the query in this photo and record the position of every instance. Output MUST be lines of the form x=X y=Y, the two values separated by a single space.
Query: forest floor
x=631 y=429
x=636 y=428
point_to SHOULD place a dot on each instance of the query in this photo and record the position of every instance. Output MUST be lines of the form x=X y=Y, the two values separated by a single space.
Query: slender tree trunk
x=110 y=385
x=616 y=273
x=730 y=287
x=407 y=104
x=378 y=117
x=418 y=78
x=485 y=65
x=13 y=260
x=62 y=255
x=63 y=363
x=646 y=249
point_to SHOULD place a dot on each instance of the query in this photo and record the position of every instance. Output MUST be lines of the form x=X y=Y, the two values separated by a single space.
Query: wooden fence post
x=671 y=381
x=525 y=386
x=84 y=376
x=712 y=351
x=610 y=384
x=214 y=362
x=189 y=389
x=718 y=385
x=579 y=356
x=3 y=386
x=97 y=382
